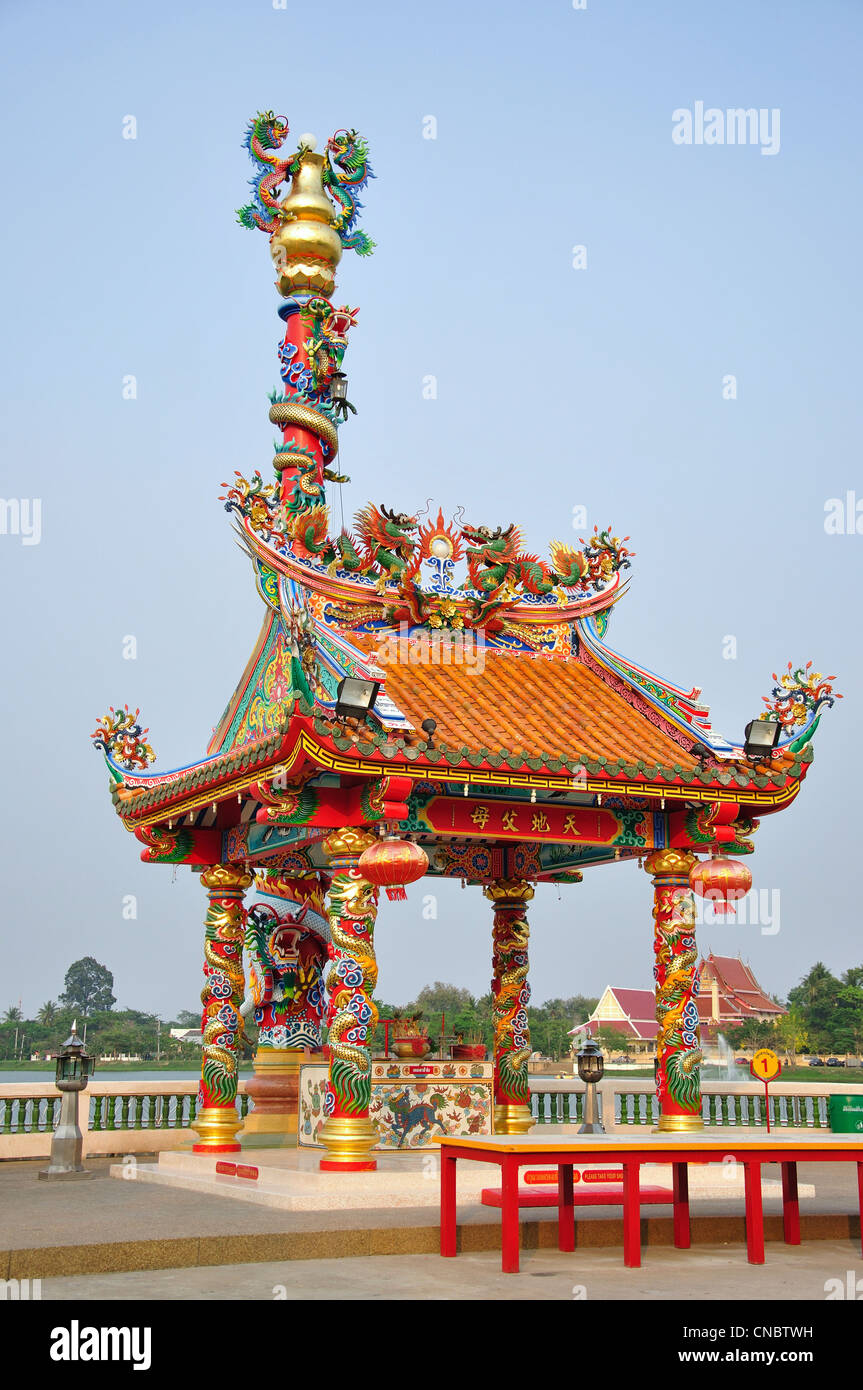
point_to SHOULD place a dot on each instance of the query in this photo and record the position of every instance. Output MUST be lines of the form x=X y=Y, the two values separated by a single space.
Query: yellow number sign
x=765 y=1065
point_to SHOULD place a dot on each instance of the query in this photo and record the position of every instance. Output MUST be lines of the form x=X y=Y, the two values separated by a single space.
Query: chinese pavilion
x=424 y=695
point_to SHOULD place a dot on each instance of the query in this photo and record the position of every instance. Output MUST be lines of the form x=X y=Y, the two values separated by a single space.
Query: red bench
x=511 y=1152
x=596 y=1195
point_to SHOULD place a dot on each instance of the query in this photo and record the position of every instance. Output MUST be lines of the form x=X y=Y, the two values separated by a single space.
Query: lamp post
x=73 y=1071
x=590 y=1068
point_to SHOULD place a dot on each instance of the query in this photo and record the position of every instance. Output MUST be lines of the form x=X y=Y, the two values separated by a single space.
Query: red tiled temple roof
x=739 y=992
x=639 y=1005
x=532 y=706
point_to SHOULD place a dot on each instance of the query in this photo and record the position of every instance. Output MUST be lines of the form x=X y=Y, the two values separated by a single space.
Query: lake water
x=112 y=1074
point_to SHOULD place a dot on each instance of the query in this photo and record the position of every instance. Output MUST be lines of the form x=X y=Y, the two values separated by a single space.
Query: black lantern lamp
x=428 y=727
x=73 y=1071
x=356 y=698
x=761 y=737
x=73 y=1065
x=591 y=1066
x=339 y=395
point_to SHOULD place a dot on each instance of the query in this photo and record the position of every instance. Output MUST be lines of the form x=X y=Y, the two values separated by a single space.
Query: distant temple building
x=729 y=994
x=629 y=1012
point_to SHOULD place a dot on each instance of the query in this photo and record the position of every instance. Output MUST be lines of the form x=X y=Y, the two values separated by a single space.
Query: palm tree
x=12 y=1015
x=48 y=1013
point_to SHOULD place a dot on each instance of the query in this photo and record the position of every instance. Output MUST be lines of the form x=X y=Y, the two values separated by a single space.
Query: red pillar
x=510 y=995
x=678 y=1050
x=348 y=1134
x=216 y=1120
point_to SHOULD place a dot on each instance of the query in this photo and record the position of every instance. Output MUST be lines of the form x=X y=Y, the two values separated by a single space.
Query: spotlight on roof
x=428 y=727
x=761 y=737
x=356 y=698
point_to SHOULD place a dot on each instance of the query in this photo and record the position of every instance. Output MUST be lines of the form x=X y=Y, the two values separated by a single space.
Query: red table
x=513 y=1151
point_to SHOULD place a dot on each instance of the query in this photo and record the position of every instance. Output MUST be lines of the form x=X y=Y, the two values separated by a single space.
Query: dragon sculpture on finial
x=351 y=156
x=266 y=132
x=346 y=172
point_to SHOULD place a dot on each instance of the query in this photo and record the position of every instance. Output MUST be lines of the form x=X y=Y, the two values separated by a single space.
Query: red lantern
x=392 y=863
x=722 y=882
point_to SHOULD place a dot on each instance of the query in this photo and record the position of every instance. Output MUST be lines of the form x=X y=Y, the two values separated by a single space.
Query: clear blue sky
x=556 y=387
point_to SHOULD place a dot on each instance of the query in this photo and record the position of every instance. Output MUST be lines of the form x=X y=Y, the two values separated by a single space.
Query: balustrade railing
x=635 y=1107
x=557 y=1107
x=731 y=1110
x=625 y=1106
x=29 y=1114
x=107 y=1113
x=561 y=1102
x=172 y=1111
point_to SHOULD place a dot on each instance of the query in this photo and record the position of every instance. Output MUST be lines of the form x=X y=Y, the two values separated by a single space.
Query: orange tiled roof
x=531 y=706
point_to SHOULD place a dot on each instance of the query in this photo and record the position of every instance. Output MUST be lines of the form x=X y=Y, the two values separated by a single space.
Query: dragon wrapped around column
x=310 y=222
x=216 y=1120
x=350 y=980
x=510 y=997
x=678 y=1051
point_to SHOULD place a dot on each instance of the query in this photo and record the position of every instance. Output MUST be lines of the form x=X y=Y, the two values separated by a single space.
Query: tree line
x=825 y=1014
x=472 y=1019
x=88 y=998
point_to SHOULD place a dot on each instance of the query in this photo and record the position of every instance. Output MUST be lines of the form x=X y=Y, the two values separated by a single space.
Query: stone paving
x=111 y=1227
x=711 y=1273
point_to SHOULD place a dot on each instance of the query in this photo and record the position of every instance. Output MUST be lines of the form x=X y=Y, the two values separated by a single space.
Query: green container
x=846 y=1114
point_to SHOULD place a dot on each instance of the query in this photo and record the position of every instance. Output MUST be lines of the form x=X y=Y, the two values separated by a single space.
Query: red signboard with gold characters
x=591 y=825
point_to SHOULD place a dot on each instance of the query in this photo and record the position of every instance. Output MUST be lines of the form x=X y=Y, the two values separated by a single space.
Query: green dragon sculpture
x=387 y=540
x=351 y=154
x=266 y=132
x=499 y=568
x=328 y=337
